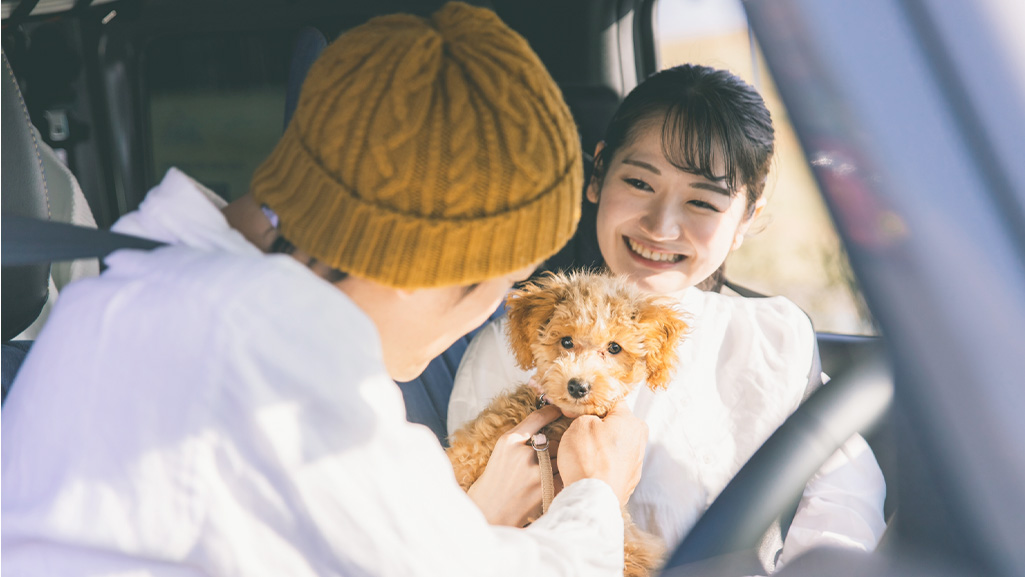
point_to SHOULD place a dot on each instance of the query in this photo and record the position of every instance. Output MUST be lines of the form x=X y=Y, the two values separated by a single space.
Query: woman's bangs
x=696 y=139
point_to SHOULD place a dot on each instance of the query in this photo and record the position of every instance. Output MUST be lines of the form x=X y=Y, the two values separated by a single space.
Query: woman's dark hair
x=707 y=115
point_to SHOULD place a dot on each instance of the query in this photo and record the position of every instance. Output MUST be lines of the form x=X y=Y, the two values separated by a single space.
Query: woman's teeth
x=653 y=255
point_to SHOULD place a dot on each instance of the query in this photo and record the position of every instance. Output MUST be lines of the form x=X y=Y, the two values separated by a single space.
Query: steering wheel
x=775 y=476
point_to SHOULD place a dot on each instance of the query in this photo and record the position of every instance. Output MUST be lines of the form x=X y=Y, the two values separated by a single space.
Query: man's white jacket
x=206 y=409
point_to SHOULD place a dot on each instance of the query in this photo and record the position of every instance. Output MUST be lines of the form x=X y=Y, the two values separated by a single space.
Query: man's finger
x=534 y=422
x=618 y=411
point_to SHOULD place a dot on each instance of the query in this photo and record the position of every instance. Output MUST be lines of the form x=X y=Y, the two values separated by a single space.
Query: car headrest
x=309 y=43
x=592 y=107
x=24 y=194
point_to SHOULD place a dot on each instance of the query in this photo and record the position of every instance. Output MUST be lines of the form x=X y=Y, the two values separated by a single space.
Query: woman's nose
x=661 y=221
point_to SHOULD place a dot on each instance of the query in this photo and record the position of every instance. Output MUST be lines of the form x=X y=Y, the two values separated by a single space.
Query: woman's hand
x=509 y=490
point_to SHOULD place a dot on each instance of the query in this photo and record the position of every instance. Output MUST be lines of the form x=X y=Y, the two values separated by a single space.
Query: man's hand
x=509 y=490
x=611 y=450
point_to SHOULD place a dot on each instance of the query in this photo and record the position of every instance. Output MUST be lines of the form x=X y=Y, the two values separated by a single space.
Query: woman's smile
x=651 y=256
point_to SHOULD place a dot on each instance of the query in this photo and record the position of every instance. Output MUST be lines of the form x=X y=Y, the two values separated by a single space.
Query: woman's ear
x=593 y=187
x=745 y=225
x=664 y=330
x=528 y=310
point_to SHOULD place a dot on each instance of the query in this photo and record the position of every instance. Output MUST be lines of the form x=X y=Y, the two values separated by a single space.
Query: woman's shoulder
x=767 y=313
x=487 y=368
x=774 y=328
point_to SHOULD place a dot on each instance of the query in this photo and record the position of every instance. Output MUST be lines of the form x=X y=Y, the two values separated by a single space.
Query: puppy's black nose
x=578 y=389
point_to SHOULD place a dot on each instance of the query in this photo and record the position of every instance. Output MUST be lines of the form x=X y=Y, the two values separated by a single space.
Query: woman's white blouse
x=743 y=369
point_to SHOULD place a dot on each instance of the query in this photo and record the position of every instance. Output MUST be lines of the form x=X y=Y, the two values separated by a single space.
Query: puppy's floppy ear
x=664 y=328
x=529 y=309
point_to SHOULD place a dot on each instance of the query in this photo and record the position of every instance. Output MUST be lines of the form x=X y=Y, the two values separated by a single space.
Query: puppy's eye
x=567 y=342
x=614 y=348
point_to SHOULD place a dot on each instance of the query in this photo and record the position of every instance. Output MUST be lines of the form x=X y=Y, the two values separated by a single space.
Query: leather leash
x=540 y=444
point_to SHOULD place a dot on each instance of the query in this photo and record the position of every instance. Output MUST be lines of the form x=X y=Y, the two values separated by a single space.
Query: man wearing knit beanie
x=234 y=411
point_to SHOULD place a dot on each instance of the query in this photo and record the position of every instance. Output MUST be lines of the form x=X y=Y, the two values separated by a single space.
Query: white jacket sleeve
x=488 y=368
x=378 y=493
x=842 y=504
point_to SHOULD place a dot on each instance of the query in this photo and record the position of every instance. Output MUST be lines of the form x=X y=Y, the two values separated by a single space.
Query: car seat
x=67 y=203
x=25 y=288
x=56 y=196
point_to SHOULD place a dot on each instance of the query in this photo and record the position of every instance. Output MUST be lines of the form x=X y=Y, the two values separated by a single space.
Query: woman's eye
x=705 y=205
x=638 y=184
x=614 y=348
x=567 y=342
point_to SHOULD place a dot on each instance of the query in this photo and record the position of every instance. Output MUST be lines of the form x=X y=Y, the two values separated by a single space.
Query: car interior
x=101 y=96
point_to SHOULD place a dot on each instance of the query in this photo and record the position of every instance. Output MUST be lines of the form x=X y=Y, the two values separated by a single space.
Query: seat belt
x=25 y=241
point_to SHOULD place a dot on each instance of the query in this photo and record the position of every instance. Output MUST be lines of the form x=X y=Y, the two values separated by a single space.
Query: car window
x=216 y=105
x=793 y=250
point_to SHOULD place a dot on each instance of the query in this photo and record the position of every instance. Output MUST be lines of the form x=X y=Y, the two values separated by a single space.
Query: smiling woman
x=677 y=183
x=681 y=173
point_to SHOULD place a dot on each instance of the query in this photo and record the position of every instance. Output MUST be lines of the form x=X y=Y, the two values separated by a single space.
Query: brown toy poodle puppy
x=593 y=339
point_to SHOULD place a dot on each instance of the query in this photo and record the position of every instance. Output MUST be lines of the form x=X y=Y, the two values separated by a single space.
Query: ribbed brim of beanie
x=427 y=152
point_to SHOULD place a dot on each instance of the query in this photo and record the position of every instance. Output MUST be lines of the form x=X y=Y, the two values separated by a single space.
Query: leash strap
x=540 y=444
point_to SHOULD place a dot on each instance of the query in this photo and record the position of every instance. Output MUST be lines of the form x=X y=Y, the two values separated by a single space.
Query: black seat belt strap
x=26 y=241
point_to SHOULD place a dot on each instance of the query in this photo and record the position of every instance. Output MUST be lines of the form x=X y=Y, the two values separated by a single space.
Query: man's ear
x=664 y=329
x=528 y=310
x=593 y=188
x=756 y=211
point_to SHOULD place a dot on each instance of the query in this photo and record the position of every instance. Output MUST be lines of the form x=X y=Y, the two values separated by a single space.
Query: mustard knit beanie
x=427 y=152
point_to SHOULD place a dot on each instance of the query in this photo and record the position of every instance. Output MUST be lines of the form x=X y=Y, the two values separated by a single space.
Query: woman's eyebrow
x=642 y=164
x=703 y=185
x=711 y=187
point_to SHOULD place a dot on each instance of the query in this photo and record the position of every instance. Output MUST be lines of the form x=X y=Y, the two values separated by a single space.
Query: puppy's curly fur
x=593 y=339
